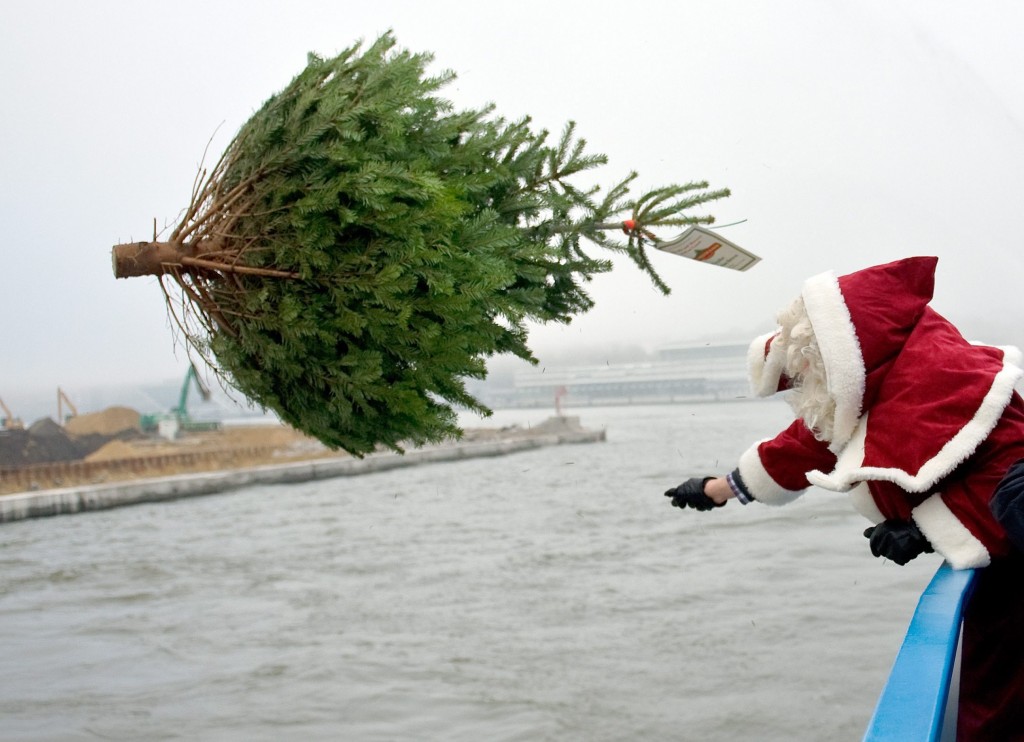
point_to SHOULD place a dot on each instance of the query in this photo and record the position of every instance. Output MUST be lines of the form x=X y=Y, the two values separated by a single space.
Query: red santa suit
x=926 y=425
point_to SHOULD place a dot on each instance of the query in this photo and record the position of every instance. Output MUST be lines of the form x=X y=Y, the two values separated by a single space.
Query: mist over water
x=548 y=595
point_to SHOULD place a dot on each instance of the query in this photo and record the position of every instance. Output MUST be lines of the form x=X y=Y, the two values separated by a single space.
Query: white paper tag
x=705 y=246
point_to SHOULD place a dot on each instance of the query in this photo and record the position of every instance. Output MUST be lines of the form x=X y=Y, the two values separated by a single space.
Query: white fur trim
x=765 y=371
x=864 y=503
x=760 y=483
x=849 y=461
x=1011 y=354
x=958 y=449
x=840 y=352
x=949 y=536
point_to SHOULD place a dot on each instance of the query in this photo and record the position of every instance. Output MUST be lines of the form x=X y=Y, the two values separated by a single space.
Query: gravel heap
x=46 y=442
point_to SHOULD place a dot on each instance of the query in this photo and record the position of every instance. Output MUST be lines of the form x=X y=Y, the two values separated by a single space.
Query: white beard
x=809 y=396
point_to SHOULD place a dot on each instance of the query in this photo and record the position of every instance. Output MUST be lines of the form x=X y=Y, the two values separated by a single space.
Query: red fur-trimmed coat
x=926 y=424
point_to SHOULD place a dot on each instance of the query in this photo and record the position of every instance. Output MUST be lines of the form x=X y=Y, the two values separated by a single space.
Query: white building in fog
x=682 y=373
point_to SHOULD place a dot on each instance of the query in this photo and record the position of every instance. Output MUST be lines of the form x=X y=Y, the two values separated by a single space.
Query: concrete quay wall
x=103 y=496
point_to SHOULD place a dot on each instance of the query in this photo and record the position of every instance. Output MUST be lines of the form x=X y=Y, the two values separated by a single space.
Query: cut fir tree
x=361 y=248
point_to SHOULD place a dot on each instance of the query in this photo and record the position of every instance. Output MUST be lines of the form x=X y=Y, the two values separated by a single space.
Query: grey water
x=546 y=595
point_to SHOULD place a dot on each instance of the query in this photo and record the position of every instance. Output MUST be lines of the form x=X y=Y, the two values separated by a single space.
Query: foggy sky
x=850 y=134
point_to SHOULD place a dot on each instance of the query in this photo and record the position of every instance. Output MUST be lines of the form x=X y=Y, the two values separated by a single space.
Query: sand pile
x=110 y=421
x=112 y=451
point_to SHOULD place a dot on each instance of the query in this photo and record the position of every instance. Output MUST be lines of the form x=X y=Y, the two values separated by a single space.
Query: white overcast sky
x=851 y=133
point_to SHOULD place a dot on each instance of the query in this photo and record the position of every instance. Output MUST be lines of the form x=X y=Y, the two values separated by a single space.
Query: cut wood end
x=131 y=259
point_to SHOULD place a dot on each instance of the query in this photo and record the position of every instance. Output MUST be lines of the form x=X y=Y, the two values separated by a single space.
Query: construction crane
x=62 y=399
x=9 y=421
x=168 y=424
x=190 y=376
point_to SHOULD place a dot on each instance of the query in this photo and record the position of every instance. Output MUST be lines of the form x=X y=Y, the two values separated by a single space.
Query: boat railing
x=912 y=705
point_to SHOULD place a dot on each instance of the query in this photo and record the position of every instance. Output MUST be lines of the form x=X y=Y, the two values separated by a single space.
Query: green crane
x=178 y=418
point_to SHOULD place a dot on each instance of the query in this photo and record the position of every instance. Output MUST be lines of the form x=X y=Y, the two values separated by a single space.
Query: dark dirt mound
x=45 y=442
x=12 y=446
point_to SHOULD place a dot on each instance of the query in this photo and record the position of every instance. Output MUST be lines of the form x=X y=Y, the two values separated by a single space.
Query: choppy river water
x=548 y=595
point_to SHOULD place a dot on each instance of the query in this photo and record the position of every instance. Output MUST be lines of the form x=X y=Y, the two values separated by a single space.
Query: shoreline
x=87 y=498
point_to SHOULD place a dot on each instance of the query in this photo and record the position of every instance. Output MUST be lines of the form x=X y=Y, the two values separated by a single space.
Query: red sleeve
x=775 y=471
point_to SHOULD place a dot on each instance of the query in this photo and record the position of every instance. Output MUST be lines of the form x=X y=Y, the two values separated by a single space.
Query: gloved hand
x=897 y=540
x=690 y=494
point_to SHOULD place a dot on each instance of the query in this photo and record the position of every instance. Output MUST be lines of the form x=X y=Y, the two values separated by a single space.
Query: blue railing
x=912 y=706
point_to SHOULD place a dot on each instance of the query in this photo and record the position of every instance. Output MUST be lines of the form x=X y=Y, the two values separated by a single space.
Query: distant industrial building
x=682 y=373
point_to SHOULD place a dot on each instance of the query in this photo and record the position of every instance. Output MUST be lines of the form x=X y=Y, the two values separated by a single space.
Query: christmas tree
x=361 y=247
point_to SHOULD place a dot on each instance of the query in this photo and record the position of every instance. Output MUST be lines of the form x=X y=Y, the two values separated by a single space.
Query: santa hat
x=861 y=321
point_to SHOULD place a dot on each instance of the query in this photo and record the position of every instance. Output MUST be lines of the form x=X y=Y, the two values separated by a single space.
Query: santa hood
x=861 y=321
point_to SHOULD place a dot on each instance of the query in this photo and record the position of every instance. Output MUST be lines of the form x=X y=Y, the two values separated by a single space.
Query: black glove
x=690 y=494
x=897 y=540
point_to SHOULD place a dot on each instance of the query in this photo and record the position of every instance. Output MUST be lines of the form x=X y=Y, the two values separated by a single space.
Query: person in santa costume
x=919 y=427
